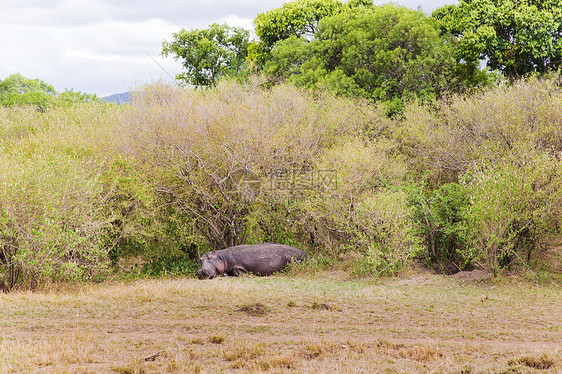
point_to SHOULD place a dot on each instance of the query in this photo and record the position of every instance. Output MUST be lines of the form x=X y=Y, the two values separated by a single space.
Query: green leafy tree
x=385 y=53
x=71 y=96
x=18 y=90
x=514 y=36
x=299 y=19
x=17 y=84
x=210 y=53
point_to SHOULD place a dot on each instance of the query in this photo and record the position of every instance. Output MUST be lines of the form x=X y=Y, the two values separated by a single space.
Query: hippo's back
x=264 y=259
x=266 y=249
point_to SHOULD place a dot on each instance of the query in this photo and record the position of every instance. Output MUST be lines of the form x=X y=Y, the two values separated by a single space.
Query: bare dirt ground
x=421 y=324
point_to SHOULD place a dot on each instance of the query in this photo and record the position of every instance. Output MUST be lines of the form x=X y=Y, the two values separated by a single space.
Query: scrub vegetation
x=367 y=135
x=90 y=188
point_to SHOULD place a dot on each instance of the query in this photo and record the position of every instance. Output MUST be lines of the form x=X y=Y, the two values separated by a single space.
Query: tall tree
x=18 y=84
x=298 y=18
x=18 y=90
x=210 y=53
x=514 y=36
x=386 y=53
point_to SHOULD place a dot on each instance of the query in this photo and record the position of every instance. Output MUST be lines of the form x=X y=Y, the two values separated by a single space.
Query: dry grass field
x=421 y=324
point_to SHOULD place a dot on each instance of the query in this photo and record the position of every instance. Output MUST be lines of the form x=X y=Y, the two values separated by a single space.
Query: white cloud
x=80 y=12
x=234 y=20
x=100 y=58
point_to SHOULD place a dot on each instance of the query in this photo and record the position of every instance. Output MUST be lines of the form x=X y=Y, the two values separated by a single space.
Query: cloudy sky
x=111 y=46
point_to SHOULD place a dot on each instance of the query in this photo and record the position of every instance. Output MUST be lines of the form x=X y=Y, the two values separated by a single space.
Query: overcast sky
x=111 y=46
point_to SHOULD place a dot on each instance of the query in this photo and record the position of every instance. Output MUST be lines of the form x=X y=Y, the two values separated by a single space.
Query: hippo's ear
x=214 y=252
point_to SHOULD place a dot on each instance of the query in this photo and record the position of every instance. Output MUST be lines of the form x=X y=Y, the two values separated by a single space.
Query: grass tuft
x=542 y=362
x=316 y=350
x=216 y=339
x=321 y=306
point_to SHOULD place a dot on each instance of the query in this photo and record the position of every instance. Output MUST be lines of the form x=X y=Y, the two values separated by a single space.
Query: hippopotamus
x=259 y=259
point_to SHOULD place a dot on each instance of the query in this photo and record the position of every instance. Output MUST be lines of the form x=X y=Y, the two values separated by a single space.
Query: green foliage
x=516 y=37
x=297 y=18
x=70 y=97
x=17 y=84
x=170 y=265
x=209 y=54
x=272 y=222
x=389 y=54
x=440 y=219
x=381 y=230
x=70 y=206
x=504 y=146
x=52 y=201
x=513 y=205
x=385 y=53
x=18 y=90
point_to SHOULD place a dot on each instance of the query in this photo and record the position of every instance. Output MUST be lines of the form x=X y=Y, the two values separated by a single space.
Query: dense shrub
x=53 y=198
x=180 y=172
x=513 y=121
x=250 y=165
x=504 y=146
x=441 y=222
x=515 y=208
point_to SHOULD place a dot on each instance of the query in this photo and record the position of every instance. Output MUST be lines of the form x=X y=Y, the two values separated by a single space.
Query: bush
x=180 y=172
x=170 y=265
x=215 y=155
x=514 y=208
x=383 y=228
x=441 y=223
x=53 y=214
x=503 y=145
x=505 y=122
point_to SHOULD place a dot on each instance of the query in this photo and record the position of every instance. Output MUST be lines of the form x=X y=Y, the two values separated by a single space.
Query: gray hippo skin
x=259 y=259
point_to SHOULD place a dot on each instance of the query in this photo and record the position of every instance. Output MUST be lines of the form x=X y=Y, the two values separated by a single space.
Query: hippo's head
x=212 y=265
x=205 y=273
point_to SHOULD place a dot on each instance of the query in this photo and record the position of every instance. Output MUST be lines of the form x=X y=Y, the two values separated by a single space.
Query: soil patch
x=472 y=276
x=255 y=310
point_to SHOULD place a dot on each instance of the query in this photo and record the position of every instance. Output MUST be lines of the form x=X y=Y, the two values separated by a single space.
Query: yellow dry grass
x=422 y=324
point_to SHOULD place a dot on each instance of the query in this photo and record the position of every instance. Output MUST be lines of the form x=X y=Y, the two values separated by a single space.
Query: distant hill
x=120 y=98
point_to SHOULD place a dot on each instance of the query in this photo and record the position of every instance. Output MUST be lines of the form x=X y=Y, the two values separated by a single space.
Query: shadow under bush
x=170 y=265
